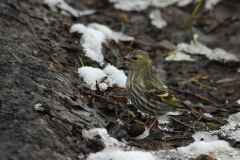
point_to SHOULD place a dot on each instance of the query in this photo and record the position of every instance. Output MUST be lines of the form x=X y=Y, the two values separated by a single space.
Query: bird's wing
x=156 y=89
x=165 y=96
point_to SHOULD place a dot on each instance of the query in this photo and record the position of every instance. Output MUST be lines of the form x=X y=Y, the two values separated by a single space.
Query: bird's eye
x=134 y=58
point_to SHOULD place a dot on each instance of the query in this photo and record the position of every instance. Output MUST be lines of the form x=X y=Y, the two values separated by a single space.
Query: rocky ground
x=39 y=59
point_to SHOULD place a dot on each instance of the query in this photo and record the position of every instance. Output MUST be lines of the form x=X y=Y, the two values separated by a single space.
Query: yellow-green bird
x=147 y=93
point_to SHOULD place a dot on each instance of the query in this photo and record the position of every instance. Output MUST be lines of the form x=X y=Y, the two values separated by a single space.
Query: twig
x=120 y=97
x=196 y=95
x=231 y=85
x=73 y=62
x=80 y=59
x=59 y=63
x=202 y=85
x=184 y=124
x=93 y=99
x=93 y=94
x=205 y=99
x=123 y=26
x=120 y=87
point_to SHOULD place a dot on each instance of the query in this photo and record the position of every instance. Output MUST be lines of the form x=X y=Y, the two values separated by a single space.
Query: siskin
x=147 y=93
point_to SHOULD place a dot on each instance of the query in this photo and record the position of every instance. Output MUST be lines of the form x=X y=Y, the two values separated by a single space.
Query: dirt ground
x=39 y=59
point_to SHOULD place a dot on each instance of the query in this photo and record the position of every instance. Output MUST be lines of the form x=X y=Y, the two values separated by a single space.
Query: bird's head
x=138 y=59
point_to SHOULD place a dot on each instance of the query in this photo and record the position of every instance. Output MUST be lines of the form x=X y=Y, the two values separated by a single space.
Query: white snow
x=103 y=86
x=65 y=8
x=157 y=20
x=139 y=5
x=142 y=113
x=116 y=36
x=38 y=107
x=79 y=28
x=210 y=3
x=91 y=41
x=102 y=132
x=102 y=28
x=174 y=113
x=95 y=75
x=184 y=3
x=93 y=36
x=115 y=76
x=217 y=149
x=143 y=135
x=238 y=101
x=208 y=115
x=120 y=155
x=215 y=54
x=179 y=56
x=232 y=129
x=91 y=76
x=204 y=136
x=205 y=144
x=129 y=103
x=113 y=150
x=164 y=119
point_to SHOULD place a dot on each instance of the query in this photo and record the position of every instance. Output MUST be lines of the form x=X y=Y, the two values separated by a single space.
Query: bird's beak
x=127 y=59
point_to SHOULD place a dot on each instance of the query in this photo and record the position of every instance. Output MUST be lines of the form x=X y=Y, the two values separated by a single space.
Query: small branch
x=196 y=95
x=59 y=63
x=205 y=99
x=120 y=97
x=93 y=94
x=184 y=124
x=80 y=59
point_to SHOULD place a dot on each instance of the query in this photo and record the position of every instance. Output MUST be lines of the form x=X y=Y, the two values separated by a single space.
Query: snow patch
x=164 y=119
x=93 y=76
x=92 y=43
x=115 y=76
x=210 y=3
x=204 y=136
x=108 y=141
x=232 y=129
x=179 y=56
x=54 y=5
x=208 y=115
x=198 y=48
x=103 y=86
x=143 y=135
x=93 y=36
x=114 y=150
x=238 y=101
x=38 y=107
x=116 y=36
x=139 y=5
x=157 y=20
x=79 y=28
x=120 y=155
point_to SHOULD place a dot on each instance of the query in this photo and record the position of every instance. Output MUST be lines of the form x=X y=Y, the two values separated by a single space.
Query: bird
x=148 y=93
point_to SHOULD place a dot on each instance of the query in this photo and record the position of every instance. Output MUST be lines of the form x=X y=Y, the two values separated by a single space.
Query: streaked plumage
x=147 y=93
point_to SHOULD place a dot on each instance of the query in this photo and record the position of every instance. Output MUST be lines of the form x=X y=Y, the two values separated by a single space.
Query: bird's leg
x=147 y=120
x=153 y=123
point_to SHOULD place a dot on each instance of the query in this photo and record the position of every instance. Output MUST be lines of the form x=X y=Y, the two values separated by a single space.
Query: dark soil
x=39 y=59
